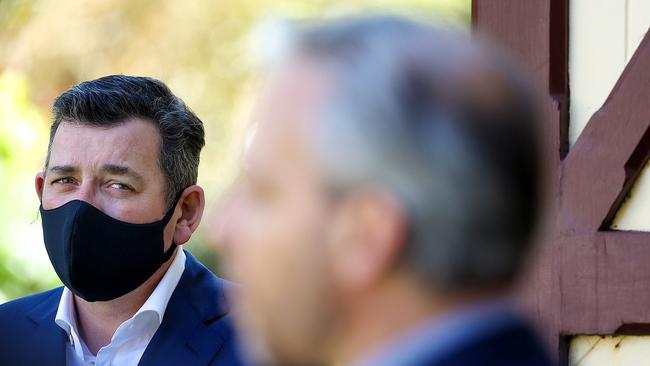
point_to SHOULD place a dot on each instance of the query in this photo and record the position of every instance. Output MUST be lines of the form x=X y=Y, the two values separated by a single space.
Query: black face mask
x=100 y=258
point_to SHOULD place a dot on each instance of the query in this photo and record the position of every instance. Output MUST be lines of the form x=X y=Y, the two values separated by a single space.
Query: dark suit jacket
x=196 y=328
x=514 y=344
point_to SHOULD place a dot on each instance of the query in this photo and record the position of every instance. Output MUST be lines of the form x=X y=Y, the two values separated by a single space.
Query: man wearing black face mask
x=118 y=197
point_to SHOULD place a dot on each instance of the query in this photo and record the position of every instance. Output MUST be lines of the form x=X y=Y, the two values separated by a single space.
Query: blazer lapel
x=185 y=336
x=49 y=339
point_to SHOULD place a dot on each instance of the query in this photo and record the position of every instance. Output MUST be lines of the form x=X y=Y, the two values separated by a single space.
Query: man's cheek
x=259 y=264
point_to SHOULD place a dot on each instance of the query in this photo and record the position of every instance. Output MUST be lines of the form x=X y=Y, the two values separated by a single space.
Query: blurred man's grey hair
x=446 y=125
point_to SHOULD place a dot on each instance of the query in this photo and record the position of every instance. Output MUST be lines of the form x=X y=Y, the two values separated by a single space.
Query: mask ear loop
x=165 y=220
x=170 y=212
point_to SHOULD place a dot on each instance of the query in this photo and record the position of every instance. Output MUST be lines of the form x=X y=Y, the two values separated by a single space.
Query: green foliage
x=24 y=267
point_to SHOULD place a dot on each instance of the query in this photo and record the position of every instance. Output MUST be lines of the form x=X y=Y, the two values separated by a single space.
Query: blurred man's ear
x=39 y=181
x=368 y=239
x=191 y=204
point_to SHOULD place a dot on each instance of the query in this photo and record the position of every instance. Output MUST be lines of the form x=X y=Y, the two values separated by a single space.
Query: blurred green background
x=199 y=48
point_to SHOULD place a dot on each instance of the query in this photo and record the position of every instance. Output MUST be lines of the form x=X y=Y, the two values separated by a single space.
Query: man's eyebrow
x=121 y=170
x=62 y=169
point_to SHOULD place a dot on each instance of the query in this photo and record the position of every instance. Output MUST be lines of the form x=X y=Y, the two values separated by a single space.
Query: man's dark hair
x=115 y=99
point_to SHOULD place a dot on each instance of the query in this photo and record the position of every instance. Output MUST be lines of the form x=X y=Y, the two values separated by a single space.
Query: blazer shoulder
x=14 y=310
x=208 y=293
x=196 y=328
x=516 y=344
x=28 y=326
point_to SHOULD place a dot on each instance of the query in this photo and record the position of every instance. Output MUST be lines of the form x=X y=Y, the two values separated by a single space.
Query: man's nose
x=87 y=193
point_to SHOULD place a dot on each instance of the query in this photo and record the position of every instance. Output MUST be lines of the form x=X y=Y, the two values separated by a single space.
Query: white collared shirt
x=132 y=337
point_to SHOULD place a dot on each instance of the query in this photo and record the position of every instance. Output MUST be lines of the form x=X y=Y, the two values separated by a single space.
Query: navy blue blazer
x=196 y=328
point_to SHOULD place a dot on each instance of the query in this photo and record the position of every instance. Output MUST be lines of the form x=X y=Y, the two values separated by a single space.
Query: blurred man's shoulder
x=514 y=344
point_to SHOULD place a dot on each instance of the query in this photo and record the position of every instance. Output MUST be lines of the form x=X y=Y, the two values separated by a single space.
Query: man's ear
x=191 y=204
x=370 y=233
x=39 y=182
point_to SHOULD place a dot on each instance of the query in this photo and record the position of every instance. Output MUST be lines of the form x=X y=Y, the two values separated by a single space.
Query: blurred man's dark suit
x=512 y=345
x=491 y=335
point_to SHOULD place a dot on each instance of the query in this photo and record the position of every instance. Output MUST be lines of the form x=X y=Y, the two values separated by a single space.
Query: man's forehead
x=291 y=101
x=297 y=87
x=289 y=105
x=76 y=142
x=269 y=151
x=133 y=130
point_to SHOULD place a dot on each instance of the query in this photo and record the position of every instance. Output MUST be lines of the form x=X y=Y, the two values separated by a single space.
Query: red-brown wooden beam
x=602 y=164
x=586 y=279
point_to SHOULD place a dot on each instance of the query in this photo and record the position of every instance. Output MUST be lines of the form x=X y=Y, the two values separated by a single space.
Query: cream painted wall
x=603 y=35
x=610 y=351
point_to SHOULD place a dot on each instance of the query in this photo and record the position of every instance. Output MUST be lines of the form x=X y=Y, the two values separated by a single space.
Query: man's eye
x=121 y=186
x=65 y=180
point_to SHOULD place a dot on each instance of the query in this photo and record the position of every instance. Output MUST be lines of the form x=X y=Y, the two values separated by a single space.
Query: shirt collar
x=66 y=319
x=155 y=304
x=157 y=301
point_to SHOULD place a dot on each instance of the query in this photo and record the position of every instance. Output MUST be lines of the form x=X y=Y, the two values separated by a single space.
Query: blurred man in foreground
x=118 y=200
x=386 y=201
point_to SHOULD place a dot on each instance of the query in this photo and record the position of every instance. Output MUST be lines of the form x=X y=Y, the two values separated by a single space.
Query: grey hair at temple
x=445 y=124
